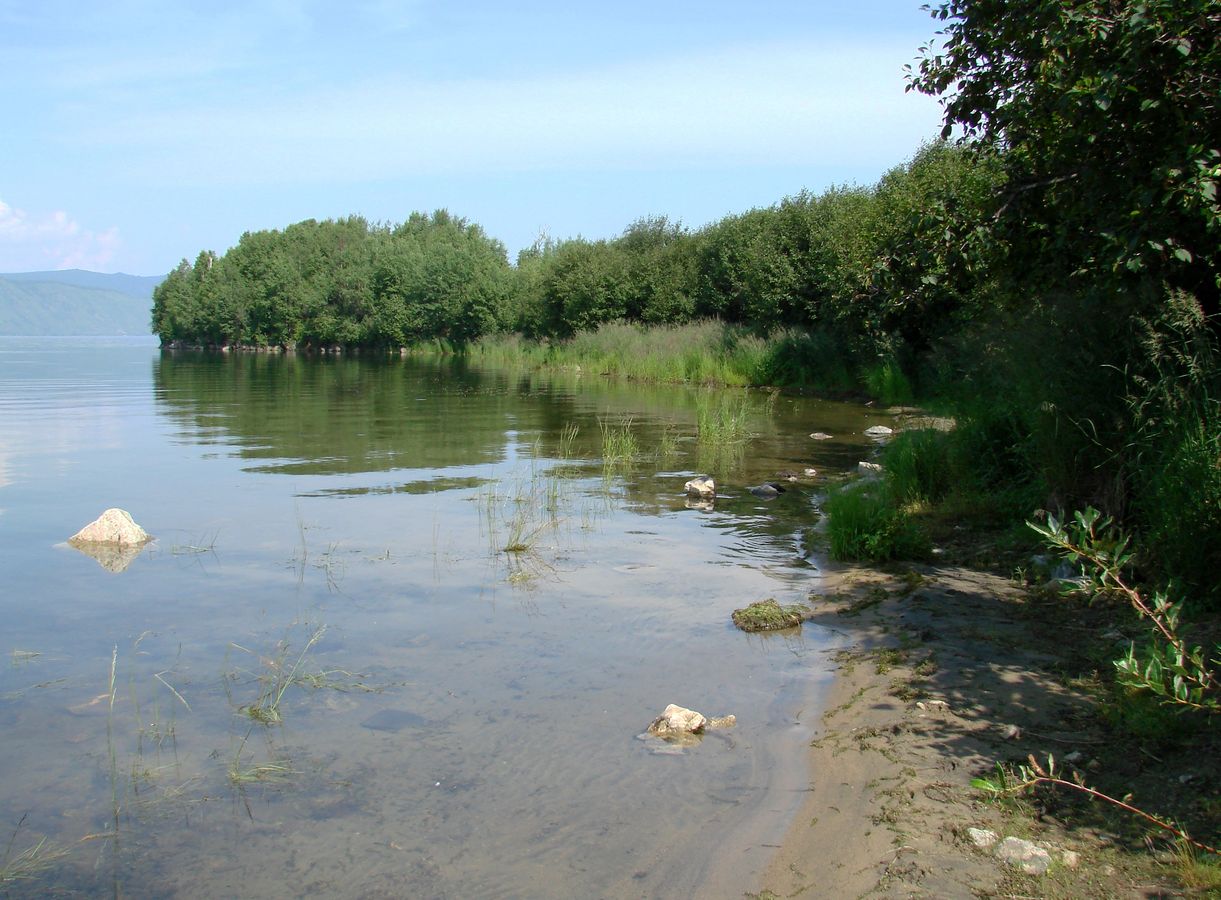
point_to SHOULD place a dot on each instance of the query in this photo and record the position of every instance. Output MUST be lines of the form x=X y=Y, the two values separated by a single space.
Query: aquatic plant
x=29 y=863
x=568 y=437
x=619 y=444
x=242 y=774
x=722 y=420
x=277 y=677
x=767 y=615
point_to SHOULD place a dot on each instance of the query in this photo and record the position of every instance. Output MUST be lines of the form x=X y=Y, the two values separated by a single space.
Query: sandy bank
x=945 y=672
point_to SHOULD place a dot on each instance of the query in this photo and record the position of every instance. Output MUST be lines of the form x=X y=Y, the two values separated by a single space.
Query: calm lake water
x=326 y=677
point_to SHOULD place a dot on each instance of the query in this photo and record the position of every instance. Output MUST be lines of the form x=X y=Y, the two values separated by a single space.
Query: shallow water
x=452 y=719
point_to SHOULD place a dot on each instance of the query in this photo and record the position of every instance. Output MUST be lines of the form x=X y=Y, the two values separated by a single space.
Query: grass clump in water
x=29 y=863
x=278 y=676
x=619 y=444
x=767 y=615
x=723 y=421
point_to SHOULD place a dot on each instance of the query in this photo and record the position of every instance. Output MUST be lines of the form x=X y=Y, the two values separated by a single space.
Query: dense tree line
x=340 y=283
x=879 y=267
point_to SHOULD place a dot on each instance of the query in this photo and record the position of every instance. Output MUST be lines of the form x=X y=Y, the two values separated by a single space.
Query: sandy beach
x=945 y=671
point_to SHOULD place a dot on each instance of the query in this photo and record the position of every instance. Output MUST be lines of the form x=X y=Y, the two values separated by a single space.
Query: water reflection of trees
x=336 y=415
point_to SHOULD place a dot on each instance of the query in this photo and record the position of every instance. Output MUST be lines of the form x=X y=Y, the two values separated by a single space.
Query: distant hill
x=74 y=301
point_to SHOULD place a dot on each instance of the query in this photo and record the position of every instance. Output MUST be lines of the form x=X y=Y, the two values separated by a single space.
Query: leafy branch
x=1024 y=778
x=1177 y=673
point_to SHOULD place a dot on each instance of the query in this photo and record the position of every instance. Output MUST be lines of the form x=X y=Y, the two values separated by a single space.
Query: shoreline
x=944 y=672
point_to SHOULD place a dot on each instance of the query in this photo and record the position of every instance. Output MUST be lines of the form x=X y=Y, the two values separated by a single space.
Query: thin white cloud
x=762 y=105
x=53 y=240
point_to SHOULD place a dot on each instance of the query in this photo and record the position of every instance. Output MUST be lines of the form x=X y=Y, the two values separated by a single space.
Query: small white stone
x=1024 y=855
x=879 y=431
x=982 y=838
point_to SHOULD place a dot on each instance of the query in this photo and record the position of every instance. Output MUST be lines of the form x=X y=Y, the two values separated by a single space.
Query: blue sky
x=138 y=133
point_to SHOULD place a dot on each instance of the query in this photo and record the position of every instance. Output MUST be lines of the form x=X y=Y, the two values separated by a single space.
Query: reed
x=619 y=444
x=278 y=675
x=724 y=419
x=568 y=437
x=28 y=864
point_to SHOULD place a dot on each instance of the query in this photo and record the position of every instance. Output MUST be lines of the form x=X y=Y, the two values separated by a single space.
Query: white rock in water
x=115 y=526
x=678 y=720
x=701 y=486
x=879 y=431
x=868 y=468
x=1023 y=855
x=821 y=436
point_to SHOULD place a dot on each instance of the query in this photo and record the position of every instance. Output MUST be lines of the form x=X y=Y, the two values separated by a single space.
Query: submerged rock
x=701 y=486
x=821 y=436
x=114 y=526
x=767 y=615
x=767 y=491
x=393 y=720
x=879 y=431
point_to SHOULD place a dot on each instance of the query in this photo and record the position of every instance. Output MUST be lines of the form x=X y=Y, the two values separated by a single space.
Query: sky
x=134 y=134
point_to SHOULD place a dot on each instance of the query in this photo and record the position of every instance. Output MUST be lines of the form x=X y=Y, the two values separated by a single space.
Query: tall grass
x=707 y=352
x=920 y=466
x=865 y=524
x=887 y=382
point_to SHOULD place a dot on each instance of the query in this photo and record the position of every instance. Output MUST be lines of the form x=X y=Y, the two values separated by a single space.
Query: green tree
x=1106 y=113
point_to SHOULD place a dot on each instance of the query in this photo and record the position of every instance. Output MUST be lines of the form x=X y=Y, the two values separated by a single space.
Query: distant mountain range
x=73 y=301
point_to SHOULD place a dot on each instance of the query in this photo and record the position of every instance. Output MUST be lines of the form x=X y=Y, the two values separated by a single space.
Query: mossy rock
x=767 y=615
